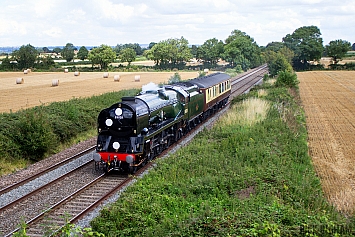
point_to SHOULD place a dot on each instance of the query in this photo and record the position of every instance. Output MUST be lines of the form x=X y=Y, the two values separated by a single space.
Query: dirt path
x=37 y=88
x=328 y=98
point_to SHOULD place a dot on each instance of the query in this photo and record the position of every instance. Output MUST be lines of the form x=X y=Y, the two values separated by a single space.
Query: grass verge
x=240 y=178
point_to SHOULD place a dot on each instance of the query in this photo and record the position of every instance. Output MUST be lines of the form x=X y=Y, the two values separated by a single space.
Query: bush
x=346 y=66
x=33 y=134
x=279 y=64
x=174 y=78
x=286 y=78
x=202 y=74
x=9 y=148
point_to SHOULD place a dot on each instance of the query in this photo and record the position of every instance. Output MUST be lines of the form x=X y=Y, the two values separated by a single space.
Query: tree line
x=239 y=51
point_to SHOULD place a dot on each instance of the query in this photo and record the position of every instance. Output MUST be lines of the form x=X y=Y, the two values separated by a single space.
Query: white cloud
x=92 y=22
x=54 y=32
x=108 y=10
x=12 y=27
x=42 y=8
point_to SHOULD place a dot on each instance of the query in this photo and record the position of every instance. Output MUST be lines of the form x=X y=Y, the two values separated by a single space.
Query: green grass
x=237 y=179
x=141 y=58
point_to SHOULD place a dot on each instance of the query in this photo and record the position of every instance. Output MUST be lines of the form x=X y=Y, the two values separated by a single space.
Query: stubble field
x=37 y=88
x=328 y=98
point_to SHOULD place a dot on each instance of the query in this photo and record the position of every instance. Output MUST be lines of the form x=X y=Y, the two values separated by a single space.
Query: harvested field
x=328 y=98
x=37 y=88
x=326 y=61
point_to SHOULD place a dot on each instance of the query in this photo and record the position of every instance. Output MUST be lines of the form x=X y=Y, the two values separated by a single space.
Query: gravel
x=44 y=200
x=17 y=193
x=7 y=180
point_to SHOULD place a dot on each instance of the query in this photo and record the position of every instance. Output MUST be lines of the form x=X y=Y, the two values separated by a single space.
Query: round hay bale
x=55 y=82
x=137 y=78
x=66 y=70
x=29 y=70
x=206 y=70
x=19 y=81
x=105 y=75
x=25 y=71
x=76 y=73
x=116 y=78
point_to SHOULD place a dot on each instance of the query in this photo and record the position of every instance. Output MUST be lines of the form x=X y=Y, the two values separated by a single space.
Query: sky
x=44 y=23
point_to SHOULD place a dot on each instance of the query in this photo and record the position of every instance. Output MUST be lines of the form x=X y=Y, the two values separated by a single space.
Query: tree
x=68 y=52
x=46 y=50
x=279 y=64
x=83 y=53
x=194 y=50
x=274 y=46
x=57 y=50
x=337 y=49
x=241 y=49
x=45 y=62
x=6 y=63
x=288 y=53
x=151 y=44
x=25 y=56
x=306 y=43
x=136 y=47
x=118 y=48
x=211 y=50
x=270 y=53
x=170 y=53
x=102 y=55
x=353 y=47
x=127 y=55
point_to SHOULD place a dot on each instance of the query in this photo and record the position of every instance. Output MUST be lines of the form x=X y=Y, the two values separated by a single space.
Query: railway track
x=37 y=201
x=41 y=173
x=242 y=84
x=91 y=189
x=75 y=204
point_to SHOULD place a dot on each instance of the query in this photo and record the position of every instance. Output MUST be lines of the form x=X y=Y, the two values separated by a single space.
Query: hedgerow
x=36 y=132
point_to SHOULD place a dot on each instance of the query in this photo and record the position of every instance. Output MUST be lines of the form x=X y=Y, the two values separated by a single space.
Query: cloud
x=108 y=10
x=92 y=22
x=12 y=27
x=42 y=8
x=53 y=32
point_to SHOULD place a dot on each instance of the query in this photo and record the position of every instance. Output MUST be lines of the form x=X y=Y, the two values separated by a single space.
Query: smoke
x=150 y=87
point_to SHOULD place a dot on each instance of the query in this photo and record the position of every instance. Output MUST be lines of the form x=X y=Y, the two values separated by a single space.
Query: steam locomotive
x=132 y=132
